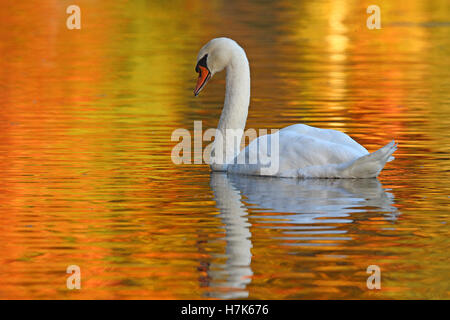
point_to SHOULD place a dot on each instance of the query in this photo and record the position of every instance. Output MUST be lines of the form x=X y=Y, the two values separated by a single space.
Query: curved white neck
x=235 y=109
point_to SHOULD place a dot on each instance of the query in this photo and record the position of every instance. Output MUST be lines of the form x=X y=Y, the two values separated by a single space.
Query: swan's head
x=212 y=58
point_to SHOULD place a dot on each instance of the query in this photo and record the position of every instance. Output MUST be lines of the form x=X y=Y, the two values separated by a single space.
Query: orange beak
x=203 y=77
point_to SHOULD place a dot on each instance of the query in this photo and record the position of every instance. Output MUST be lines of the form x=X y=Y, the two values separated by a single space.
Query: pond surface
x=87 y=177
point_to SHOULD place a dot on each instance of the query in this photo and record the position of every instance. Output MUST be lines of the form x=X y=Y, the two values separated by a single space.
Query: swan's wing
x=299 y=150
x=328 y=135
x=299 y=146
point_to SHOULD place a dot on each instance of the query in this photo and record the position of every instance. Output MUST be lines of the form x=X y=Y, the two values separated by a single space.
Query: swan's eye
x=202 y=63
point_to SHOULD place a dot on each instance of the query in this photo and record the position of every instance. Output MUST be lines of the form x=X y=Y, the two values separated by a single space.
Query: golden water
x=87 y=179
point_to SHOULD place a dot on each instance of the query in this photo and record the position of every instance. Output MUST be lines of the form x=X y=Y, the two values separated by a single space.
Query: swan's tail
x=368 y=166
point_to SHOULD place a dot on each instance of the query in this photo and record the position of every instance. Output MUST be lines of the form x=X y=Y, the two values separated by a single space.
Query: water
x=87 y=178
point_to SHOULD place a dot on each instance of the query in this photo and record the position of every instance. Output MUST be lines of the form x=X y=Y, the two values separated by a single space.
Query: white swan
x=303 y=151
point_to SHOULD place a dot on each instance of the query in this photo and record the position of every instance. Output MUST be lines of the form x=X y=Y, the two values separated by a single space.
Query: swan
x=300 y=151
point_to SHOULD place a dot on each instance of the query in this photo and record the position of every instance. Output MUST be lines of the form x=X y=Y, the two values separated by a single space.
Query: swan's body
x=303 y=151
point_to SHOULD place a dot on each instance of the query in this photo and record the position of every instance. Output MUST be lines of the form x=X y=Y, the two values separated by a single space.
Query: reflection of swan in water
x=314 y=198
x=304 y=202
x=234 y=275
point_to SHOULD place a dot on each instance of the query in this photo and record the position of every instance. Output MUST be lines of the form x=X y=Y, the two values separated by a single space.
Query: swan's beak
x=203 y=76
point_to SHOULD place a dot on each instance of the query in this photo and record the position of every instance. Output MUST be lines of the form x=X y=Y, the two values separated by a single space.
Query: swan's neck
x=234 y=114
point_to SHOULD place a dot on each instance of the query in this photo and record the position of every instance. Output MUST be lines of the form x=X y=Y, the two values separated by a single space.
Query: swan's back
x=300 y=146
